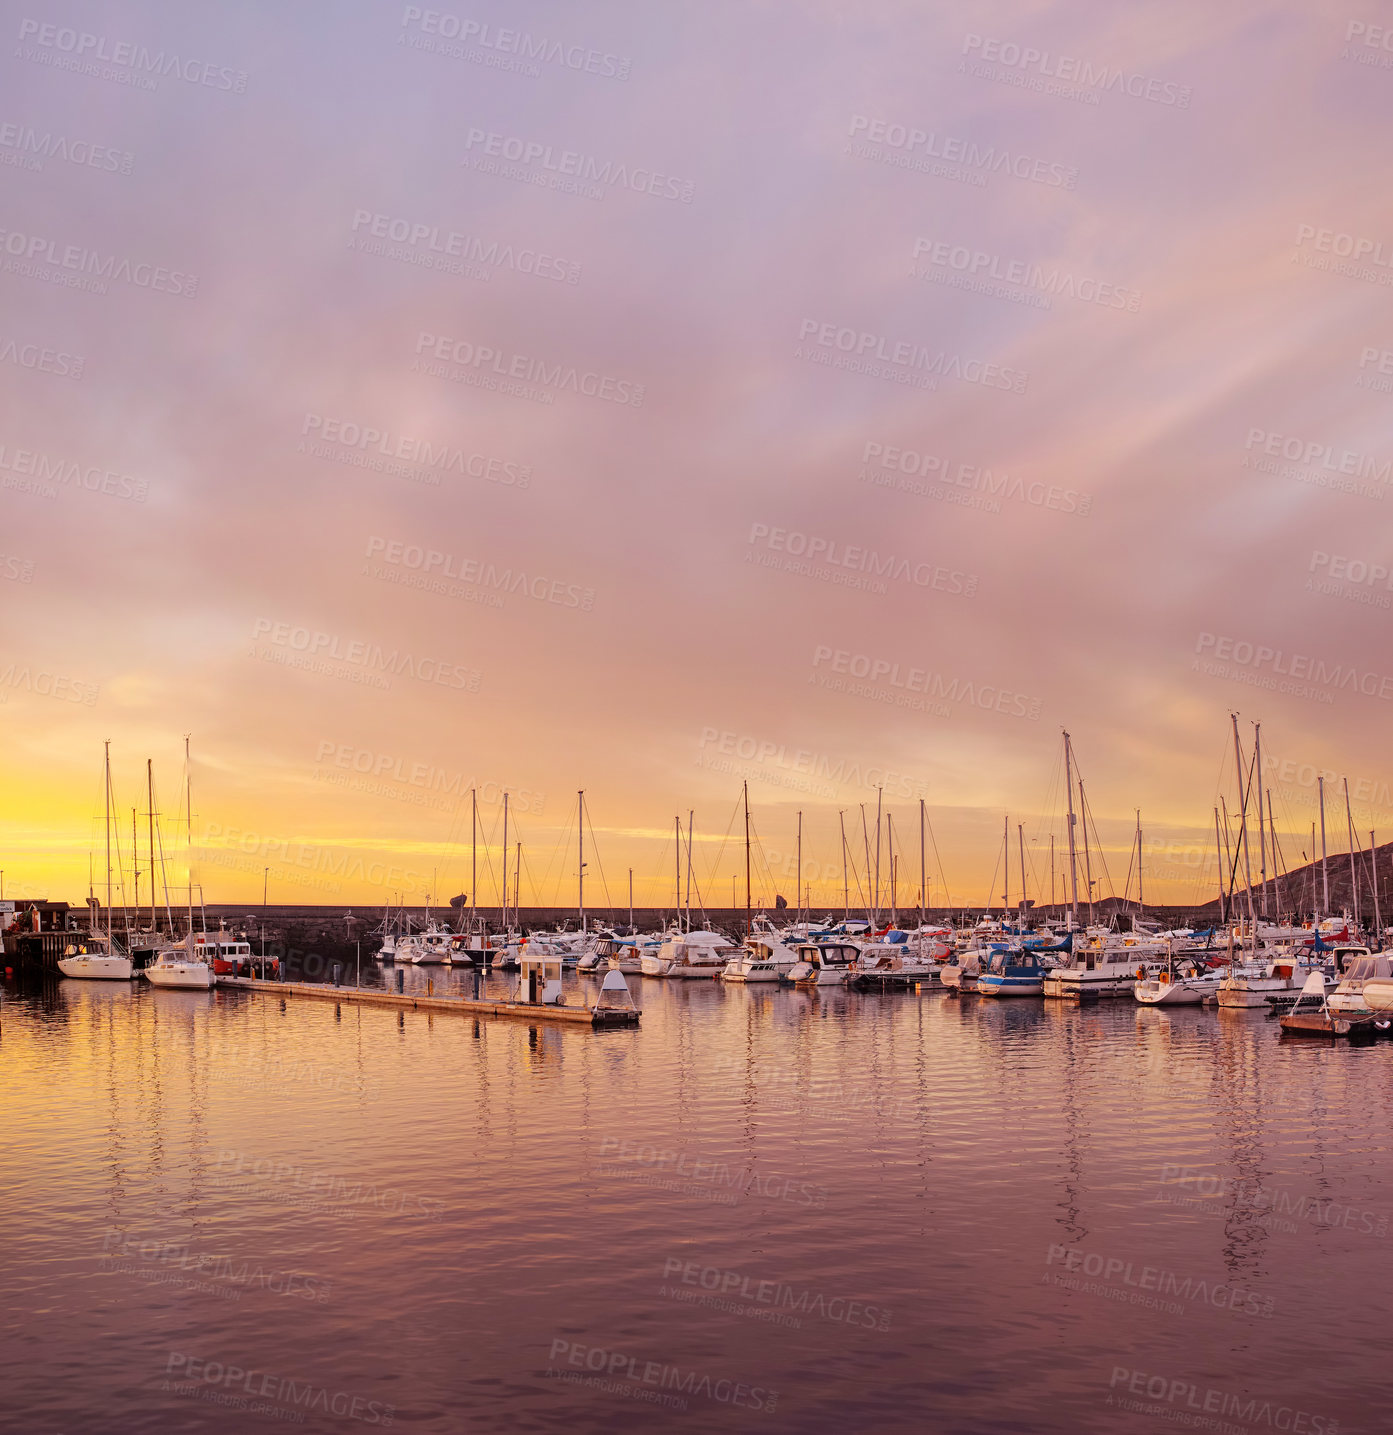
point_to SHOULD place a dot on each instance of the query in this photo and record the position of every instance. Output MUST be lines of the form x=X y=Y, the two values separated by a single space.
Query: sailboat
x=96 y=956
x=181 y=964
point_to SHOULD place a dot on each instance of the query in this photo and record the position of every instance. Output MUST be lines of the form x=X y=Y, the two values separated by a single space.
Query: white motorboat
x=763 y=958
x=175 y=967
x=95 y=958
x=894 y=964
x=823 y=964
x=1256 y=984
x=433 y=947
x=961 y=971
x=1179 y=984
x=1349 y=999
x=689 y=954
x=1105 y=969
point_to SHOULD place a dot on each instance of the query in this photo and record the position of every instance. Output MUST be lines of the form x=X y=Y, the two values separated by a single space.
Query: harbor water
x=763 y=1209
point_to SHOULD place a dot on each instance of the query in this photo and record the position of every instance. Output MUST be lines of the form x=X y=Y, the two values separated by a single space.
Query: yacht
x=1349 y=999
x=95 y=957
x=961 y=971
x=763 y=958
x=895 y=961
x=1256 y=984
x=1106 y=969
x=432 y=947
x=1186 y=983
x=1017 y=973
x=175 y=967
x=823 y=964
x=689 y=954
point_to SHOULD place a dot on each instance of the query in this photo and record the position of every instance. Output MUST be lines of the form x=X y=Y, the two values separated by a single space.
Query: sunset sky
x=645 y=399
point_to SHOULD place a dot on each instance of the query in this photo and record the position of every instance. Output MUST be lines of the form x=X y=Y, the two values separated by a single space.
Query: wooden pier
x=465 y=1006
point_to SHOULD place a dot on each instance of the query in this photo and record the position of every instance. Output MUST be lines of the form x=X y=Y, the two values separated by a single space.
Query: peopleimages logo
x=434 y=562
x=313 y=649
x=505 y=41
x=979 y=266
x=368 y=446
x=570 y=164
x=987 y=159
x=855 y=559
x=1302 y=671
x=1357 y=247
x=1071 y=70
x=85 y=49
x=28 y=252
x=31 y=148
x=432 y=247
x=1313 y=453
x=492 y=368
x=859 y=345
x=875 y=670
x=43 y=360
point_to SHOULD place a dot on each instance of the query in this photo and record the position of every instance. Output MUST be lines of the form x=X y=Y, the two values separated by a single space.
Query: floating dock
x=465 y=1006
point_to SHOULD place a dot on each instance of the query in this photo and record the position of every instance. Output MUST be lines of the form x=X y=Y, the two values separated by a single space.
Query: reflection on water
x=764 y=1209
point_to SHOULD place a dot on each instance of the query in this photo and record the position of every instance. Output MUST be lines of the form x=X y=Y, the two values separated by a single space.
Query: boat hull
x=1172 y=993
x=989 y=985
x=94 y=968
x=196 y=976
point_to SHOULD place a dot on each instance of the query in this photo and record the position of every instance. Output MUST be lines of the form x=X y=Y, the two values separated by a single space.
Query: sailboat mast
x=631 y=899
x=517 y=887
x=1353 y=871
x=1219 y=852
x=188 y=830
x=1087 y=860
x=107 y=800
x=677 y=868
x=879 y=794
x=1141 y=897
x=1006 y=879
x=1262 y=830
x=1324 y=870
x=691 y=822
x=580 y=852
x=135 y=865
x=150 y=803
x=505 y=861
x=1243 y=823
x=923 y=868
x=890 y=848
x=473 y=853
x=1373 y=873
x=1020 y=838
x=1276 y=870
x=1051 y=874
x=749 y=925
x=846 y=890
x=1073 y=856
x=866 y=843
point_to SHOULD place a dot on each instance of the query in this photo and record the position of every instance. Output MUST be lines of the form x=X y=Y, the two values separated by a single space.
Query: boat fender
x=1340 y=1026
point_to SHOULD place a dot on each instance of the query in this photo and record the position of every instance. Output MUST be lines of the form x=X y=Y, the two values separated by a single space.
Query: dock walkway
x=465 y=1006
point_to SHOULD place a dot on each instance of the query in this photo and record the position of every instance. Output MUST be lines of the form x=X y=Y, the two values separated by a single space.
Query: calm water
x=764 y=1210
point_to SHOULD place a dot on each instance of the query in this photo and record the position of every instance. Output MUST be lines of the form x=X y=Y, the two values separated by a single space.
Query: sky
x=653 y=400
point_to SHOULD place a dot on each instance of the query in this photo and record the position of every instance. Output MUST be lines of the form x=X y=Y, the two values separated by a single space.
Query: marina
x=695 y=713
x=278 y=1185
